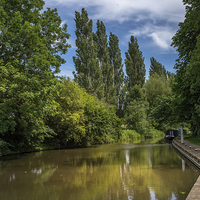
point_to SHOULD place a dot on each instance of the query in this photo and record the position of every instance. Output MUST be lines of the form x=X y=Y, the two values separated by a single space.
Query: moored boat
x=171 y=134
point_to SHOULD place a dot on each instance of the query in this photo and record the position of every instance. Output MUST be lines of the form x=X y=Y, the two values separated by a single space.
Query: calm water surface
x=108 y=172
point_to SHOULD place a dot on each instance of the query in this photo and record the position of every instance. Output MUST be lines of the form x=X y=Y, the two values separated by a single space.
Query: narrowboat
x=171 y=134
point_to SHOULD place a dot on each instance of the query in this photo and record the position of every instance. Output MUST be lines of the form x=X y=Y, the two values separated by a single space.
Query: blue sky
x=152 y=22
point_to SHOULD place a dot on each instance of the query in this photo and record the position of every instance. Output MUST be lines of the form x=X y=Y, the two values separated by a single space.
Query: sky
x=152 y=22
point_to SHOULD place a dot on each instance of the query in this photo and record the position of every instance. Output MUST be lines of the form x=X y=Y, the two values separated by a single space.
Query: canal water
x=107 y=172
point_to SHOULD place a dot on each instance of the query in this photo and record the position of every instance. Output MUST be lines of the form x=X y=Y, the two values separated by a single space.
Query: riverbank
x=127 y=136
x=192 y=152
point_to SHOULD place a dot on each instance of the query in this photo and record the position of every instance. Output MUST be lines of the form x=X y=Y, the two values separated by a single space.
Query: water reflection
x=12 y=177
x=103 y=172
x=36 y=171
x=183 y=165
x=127 y=155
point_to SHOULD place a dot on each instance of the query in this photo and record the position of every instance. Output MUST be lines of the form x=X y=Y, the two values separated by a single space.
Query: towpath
x=192 y=152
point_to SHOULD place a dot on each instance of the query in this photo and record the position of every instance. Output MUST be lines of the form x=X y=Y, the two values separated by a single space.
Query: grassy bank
x=192 y=139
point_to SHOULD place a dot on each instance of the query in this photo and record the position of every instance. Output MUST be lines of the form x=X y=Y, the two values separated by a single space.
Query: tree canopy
x=100 y=38
x=156 y=67
x=185 y=84
x=38 y=107
x=186 y=36
x=134 y=62
x=32 y=42
x=155 y=87
x=88 y=72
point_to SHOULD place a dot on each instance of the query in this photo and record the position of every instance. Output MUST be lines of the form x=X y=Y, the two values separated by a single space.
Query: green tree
x=162 y=116
x=185 y=38
x=81 y=119
x=68 y=120
x=194 y=77
x=100 y=38
x=88 y=72
x=102 y=124
x=155 y=87
x=122 y=101
x=134 y=62
x=186 y=103
x=116 y=63
x=136 y=93
x=186 y=42
x=26 y=34
x=136 y=116
x=32 y=42
x=157 y=67
x=136 y=110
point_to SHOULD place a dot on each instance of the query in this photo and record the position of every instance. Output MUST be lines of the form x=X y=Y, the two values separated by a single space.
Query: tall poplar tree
x=157 y=68
x=88 y=72
x=100 y=38
x=136 y=104
x=134 y=62
x=116 y=62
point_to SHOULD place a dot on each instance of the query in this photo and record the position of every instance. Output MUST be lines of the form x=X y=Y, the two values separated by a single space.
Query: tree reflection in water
x=100 y=172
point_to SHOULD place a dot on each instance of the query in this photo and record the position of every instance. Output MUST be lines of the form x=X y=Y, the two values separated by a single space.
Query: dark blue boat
x=171 y=133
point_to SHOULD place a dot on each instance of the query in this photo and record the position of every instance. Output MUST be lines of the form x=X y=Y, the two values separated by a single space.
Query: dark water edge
x=146 y=170
x=142 y=140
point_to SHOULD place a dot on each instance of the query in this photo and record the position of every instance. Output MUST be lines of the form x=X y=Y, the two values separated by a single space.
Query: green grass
x=192 y=139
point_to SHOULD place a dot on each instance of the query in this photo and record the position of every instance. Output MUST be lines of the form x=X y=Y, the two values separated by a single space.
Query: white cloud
x=161 y=35
x=126 y=9
x=63 y=22
x=139 y=13
x=159 y=41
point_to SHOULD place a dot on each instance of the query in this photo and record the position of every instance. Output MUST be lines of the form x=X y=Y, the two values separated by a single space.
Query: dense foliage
x=37 y=108
x=81 y=119
x=31 y=44
x=134 y=62
x=100 y=38
x=157 y=68
x=118 y=74
x=155 y=87
x=41 y=110
x=88 y=72
x=186 y=82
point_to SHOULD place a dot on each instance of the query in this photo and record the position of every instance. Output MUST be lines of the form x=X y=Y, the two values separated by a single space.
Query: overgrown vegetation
x=129 y=136
x=133 y=136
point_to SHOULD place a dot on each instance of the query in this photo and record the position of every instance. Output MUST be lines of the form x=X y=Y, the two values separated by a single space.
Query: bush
x=129 y=135
x=4 y=147
x=152 y=133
